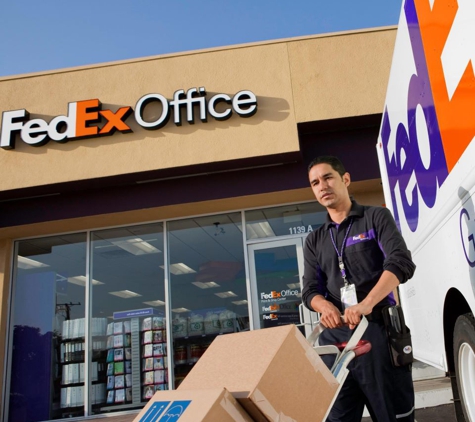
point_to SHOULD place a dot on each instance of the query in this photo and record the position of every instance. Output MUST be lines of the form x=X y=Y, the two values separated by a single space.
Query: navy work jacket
x=373 y=244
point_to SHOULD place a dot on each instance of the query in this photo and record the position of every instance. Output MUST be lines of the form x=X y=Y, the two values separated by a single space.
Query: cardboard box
x=213 y=405
x=274 y=374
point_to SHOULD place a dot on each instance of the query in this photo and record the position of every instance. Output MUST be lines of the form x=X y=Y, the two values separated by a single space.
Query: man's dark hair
x=334 y=162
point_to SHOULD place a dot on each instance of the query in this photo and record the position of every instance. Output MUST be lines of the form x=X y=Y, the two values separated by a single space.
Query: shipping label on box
x=214 y=405
x=165 y=409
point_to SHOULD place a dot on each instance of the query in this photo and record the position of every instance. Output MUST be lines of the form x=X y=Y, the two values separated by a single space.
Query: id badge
x=348 y=296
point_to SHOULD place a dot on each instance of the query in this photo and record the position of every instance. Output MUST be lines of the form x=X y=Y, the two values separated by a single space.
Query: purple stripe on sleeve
x=382 y=250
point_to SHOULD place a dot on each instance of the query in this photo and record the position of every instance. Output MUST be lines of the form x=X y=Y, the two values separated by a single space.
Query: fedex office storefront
x=148 y=206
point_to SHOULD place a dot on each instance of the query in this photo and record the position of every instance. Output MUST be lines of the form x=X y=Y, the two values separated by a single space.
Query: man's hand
x=353 y=314
x=330 y=315
x=385 y=285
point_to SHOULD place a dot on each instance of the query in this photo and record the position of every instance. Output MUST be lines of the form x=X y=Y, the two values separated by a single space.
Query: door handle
x=301 y=314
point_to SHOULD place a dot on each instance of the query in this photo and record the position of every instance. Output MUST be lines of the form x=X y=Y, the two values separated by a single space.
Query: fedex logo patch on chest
x=361 y=237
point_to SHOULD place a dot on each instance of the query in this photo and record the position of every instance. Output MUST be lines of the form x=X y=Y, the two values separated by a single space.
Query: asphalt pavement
x=445 y=413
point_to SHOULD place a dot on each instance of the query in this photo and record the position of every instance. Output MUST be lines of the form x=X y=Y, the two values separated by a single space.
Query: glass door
x=276 y=270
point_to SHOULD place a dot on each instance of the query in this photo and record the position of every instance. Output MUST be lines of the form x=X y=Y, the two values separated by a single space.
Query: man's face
x=328 y=186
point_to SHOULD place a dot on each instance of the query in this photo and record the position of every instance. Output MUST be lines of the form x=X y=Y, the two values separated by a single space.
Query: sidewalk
x=444 y=413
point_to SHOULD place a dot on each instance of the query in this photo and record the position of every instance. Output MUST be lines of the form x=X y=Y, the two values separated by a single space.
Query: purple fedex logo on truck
x=412 y=147
x=428 y=121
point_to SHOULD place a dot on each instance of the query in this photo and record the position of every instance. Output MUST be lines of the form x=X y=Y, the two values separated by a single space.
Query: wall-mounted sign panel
x=137 y=102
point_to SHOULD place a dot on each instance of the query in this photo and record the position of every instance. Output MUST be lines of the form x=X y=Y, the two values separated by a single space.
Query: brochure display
x=154 y=357
x=119 y=362
x=136 y=359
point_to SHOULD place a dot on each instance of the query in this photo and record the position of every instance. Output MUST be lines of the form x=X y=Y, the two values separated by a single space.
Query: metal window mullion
x=87 y=331
x=168 y=310
x=9 y=343
x=250 y=297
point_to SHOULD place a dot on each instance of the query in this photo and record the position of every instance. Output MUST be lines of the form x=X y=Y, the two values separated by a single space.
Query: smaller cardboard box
x=214 y=405
x=274 y=374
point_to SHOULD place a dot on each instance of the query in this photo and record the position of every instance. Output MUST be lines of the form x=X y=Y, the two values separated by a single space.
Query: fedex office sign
x=87 y=119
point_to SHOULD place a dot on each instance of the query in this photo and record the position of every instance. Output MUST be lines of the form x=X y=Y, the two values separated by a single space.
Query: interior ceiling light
x=180 y=310
x=179 y=269
x=125 y=294
x=240 y=302
x=225 y=295
x=293 y=285
x=205 y=285
x=259 y=230
x=80 y=280
x=155 y=303
x=136 y=246
x=28 y=264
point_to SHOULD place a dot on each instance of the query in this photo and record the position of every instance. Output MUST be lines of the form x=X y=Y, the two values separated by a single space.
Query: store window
x=288 y=220
x=123 y=360
x=79 y=349
x=48 y=293
x=207 y=285
x=129 y=356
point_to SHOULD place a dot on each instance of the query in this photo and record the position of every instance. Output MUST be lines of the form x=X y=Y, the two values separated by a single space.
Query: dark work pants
x=388 y=392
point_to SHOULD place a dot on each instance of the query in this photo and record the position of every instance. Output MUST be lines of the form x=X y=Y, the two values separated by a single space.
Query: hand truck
x=344 y=352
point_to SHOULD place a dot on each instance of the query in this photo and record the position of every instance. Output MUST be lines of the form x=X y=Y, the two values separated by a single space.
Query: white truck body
x=426 y=152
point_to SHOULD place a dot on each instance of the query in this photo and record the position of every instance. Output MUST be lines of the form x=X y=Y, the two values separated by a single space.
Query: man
x=357 y=257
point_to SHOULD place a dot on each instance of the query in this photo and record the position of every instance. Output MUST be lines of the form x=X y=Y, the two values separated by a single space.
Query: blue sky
x=54 y=34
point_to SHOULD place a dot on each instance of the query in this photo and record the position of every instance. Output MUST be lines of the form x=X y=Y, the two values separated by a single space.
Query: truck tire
x=464 y=354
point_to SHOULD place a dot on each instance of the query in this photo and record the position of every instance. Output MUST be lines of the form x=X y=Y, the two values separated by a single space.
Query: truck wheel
x=464 y=354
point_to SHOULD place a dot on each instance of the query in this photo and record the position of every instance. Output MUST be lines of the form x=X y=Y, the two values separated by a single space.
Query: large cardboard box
x=274 y=373
x=213 y=405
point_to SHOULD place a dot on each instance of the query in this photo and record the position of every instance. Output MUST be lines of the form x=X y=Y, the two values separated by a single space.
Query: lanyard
x=340 y=253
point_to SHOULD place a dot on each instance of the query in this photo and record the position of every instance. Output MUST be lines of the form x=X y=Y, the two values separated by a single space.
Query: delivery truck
x=426 y=152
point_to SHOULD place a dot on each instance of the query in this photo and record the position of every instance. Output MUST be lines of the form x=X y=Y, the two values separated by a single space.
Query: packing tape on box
x=315 y=360
x=265 y=407
x=228 y=404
